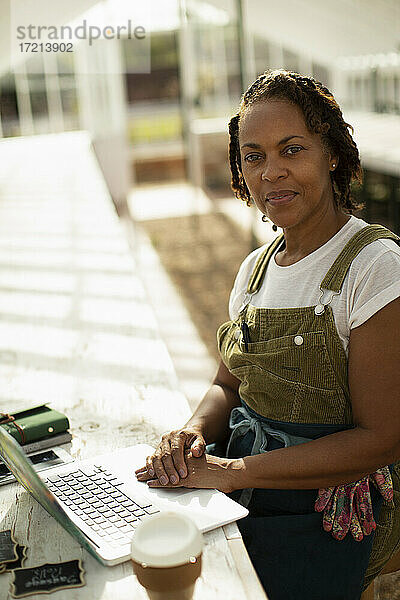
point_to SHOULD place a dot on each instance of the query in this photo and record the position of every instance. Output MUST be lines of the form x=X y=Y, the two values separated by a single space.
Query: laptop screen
x=20 y=465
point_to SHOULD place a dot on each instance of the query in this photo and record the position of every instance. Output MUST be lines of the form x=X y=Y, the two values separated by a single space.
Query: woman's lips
x=282 y=200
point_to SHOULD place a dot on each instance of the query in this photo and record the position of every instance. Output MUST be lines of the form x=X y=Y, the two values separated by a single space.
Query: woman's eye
x=293 y=150
x=251 y=157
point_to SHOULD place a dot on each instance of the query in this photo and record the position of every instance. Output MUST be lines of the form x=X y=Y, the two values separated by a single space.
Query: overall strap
x=334 y=278
x=258 y=273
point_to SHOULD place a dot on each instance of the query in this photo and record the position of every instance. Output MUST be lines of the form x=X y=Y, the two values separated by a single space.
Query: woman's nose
x=273 y=171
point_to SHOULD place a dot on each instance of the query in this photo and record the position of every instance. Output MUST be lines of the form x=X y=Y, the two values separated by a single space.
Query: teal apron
x=293 y=387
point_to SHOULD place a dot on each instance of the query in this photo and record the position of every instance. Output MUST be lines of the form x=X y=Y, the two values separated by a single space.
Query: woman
x=307 y=391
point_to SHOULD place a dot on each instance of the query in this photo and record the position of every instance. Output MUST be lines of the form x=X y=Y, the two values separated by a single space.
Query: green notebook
x=34 y=424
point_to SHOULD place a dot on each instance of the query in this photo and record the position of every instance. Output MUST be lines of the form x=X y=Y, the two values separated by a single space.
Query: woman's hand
x=206 y=471
x=167 y=464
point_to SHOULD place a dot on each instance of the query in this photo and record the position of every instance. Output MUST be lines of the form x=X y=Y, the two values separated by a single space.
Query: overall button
x=298 y=340
x=319 y=309
x=237 y=334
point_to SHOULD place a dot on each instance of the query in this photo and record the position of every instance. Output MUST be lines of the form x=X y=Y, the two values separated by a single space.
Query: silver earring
x=333 y=166
x=265 y=219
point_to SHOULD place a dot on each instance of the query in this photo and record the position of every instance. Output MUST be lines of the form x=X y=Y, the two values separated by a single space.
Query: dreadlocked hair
x=322 y=115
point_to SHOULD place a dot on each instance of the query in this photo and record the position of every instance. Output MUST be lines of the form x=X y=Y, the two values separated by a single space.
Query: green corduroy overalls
x=292 y=368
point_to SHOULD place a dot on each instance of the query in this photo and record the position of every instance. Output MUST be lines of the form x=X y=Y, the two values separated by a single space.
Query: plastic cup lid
x=167 y=539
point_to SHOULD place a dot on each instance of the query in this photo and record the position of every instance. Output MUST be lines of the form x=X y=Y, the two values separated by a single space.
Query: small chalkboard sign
x=47 y=578
x=7 y=546
x=17 y=562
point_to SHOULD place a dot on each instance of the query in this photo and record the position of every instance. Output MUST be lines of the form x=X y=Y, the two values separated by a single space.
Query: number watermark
x=46 y=47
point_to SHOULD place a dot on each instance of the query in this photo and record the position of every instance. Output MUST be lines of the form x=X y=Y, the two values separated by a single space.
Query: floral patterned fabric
x=349 y=507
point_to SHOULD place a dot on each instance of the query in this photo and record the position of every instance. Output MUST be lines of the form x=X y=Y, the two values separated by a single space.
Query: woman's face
x=285 y=166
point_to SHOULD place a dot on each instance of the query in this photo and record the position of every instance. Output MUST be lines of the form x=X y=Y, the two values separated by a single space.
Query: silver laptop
x=100 y=502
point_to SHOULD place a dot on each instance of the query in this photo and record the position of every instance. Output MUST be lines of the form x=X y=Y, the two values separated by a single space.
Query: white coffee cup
x=166 y=554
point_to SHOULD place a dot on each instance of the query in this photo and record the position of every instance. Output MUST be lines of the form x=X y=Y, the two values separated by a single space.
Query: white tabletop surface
x=76 y=331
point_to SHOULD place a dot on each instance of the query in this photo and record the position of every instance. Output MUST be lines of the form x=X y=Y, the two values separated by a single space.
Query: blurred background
x=158 y=128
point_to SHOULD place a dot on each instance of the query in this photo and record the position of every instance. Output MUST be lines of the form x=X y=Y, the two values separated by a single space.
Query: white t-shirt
x=372 y=281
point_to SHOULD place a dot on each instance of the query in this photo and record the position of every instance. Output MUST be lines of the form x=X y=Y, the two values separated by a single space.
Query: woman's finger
x=141 y=470
x=149 y=466
x=198 y=446
x=154 y=483
x=178 y=444
x=169 y=466
x=163 y=450
x=143 y=476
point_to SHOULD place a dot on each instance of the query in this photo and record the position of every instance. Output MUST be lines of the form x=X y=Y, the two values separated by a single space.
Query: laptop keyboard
x=93 y=494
